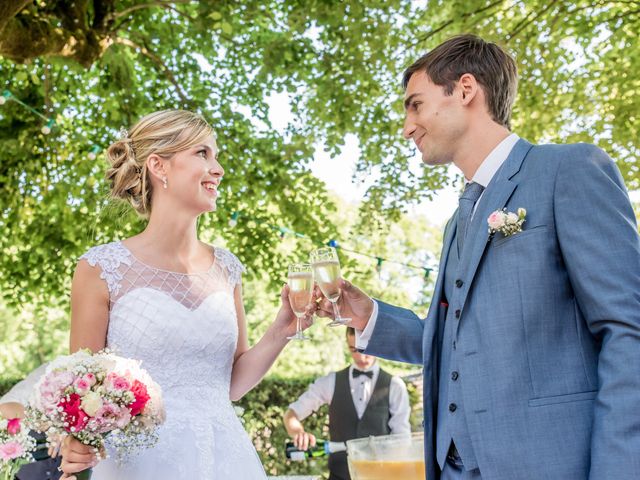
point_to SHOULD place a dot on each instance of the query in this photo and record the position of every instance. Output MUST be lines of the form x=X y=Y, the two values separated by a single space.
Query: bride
x=174 y=302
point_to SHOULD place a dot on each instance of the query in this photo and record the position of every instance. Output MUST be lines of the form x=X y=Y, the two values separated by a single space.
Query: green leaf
x=226 y=28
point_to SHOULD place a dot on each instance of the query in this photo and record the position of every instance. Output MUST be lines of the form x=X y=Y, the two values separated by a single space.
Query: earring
x=164 y=182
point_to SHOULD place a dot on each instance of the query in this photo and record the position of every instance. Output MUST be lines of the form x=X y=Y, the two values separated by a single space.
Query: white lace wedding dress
x=184 y=329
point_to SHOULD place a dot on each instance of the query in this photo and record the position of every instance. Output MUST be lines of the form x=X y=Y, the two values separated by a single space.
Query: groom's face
x=433 y=120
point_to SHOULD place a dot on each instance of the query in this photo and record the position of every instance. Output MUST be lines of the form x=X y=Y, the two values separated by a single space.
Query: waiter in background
x=363 y=400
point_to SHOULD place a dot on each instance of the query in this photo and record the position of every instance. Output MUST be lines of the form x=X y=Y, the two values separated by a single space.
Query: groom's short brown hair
x=492 y=67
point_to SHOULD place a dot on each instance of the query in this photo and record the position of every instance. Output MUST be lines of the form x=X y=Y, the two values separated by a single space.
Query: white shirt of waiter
x=321 y=391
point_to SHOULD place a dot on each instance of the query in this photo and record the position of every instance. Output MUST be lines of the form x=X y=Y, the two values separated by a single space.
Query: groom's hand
x=353 y=303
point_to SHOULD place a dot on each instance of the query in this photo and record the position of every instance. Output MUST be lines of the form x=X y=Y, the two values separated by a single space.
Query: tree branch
x=102 y=11
x=622 y=15
x=444 y=25
x=116 y=26
x=9 y=9
x=526 y=22
x=48 y=108
x=168 y=4
x=166 y=71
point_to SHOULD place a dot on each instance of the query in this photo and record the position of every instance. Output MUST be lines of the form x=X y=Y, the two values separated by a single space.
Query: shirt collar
x=494 y=160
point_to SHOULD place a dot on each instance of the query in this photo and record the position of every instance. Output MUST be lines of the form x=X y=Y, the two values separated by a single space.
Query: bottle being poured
x=321 y=449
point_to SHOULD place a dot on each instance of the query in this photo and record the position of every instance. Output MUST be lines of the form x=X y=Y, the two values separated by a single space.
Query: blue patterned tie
x=468 y=199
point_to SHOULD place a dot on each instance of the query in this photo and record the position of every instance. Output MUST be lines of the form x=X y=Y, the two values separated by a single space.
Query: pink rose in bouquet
x=75 y=418
x=142 y=397
x=99 y=399
x=13 y=426
x=16 y=447
x=117 y=382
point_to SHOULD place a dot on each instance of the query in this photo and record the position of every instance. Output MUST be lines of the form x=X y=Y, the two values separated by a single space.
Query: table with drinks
x=395 y=456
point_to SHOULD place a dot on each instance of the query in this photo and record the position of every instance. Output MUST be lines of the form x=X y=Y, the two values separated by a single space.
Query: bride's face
x=193 y=176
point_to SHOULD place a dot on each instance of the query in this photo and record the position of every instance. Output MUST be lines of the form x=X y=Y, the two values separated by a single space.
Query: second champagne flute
x=326 y=270
x=300 y=291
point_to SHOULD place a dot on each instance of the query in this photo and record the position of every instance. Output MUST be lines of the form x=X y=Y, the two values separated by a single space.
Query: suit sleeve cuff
x=363 y=336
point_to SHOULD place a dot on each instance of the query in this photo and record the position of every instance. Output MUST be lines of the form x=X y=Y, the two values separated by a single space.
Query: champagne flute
x=300 y=291
x=326 y=270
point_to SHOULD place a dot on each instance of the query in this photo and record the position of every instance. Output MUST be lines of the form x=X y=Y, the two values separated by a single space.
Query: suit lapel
x=495 y=197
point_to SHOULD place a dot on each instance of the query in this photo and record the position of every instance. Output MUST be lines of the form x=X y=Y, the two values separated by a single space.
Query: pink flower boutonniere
x=506 y=223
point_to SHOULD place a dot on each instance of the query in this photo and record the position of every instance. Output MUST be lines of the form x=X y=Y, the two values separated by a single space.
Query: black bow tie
x=356 y=373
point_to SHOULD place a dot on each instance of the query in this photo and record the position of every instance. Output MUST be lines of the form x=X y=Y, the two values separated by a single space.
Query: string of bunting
x=233 y=221
x=8 y=96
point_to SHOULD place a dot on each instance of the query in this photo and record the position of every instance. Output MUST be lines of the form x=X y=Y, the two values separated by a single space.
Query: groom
x=531 y=347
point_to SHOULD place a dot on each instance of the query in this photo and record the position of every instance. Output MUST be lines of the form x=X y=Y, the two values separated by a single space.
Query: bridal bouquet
x=16 y=447
x=98 y=399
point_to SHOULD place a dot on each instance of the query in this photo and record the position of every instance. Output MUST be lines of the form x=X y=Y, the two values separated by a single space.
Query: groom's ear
x=468 y=87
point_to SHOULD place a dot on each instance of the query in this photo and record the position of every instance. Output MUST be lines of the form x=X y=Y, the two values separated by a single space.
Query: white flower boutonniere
x=506 y=223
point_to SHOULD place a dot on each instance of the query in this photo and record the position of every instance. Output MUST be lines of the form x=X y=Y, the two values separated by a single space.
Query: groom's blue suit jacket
x=549 y=331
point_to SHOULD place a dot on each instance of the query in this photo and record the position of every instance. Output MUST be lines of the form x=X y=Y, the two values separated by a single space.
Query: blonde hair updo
x=163 y=133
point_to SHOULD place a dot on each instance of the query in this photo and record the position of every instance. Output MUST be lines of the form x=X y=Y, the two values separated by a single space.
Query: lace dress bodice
x=184 y=329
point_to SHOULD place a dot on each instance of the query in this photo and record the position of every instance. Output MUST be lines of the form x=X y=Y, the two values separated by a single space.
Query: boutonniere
x=506 y=223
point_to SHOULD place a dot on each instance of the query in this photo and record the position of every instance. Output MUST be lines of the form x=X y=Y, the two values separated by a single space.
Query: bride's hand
x=285 y=322
x=76 y=456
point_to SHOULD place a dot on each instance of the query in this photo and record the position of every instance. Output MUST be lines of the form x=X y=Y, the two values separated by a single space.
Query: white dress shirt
x=22 y=391
x=321 y=391
x=483 y=176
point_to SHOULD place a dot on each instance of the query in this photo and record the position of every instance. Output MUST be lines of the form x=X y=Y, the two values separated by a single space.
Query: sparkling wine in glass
x=326 y=270
x=300 y=291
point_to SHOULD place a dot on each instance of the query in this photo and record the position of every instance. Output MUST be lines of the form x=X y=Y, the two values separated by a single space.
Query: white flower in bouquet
x=100 y=399
x=91 y=403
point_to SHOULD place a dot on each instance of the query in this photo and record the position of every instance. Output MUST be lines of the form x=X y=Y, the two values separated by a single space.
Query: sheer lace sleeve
x=231 y=263
x=109 y=258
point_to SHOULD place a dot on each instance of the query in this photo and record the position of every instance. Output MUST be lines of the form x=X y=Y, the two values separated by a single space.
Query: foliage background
x=94 y=66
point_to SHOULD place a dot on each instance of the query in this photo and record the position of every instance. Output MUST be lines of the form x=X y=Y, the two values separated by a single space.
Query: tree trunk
x=61 y=28
x=8 y=10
